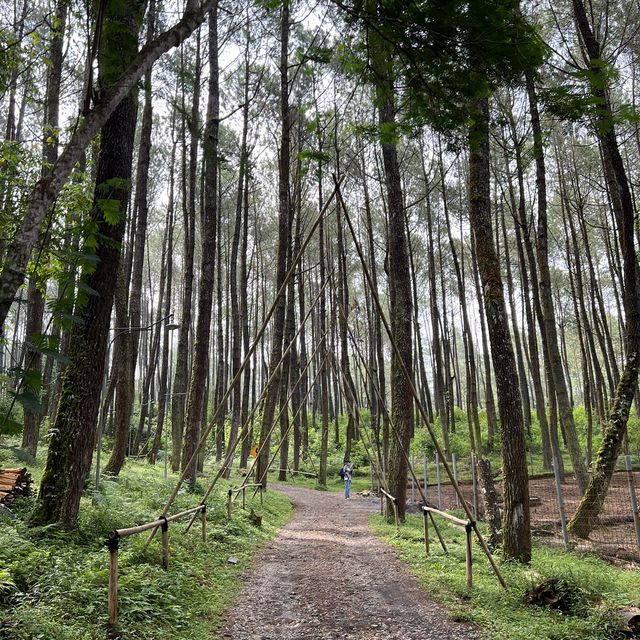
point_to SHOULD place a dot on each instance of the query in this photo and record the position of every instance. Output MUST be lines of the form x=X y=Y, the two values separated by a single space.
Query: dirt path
x=326 y=576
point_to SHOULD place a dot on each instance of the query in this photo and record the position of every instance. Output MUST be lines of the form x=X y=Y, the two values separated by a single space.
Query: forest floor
x=613 y=538
x=326 y=576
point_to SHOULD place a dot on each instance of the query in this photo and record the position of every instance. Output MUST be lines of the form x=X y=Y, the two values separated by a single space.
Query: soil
x=614 y=537
x=326 y=576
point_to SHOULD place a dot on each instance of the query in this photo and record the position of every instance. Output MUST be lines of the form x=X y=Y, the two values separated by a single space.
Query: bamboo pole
x=112 y=544
x=273 y=457
x=230 y=452
x=446 y=515
x=409 y=381
x=229 y=504
x=392 y=427
x=165 y=543
x=187 y=469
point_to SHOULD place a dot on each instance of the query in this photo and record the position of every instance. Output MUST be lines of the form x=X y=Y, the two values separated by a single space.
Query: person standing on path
x=347 y=471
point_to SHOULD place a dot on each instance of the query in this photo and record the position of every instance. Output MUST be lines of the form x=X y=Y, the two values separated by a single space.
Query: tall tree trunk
x=618 y=184
x=236 y=335
x=181 y=374
x=209 y=232
x=283 y=246
x=73 y=432
x=515 y=518
x=35 y=296
x=164 y=358
x=559 y=382
x=400 y=299
x=125 y=388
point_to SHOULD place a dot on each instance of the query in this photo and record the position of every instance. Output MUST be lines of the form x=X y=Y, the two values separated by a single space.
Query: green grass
x=53 y=583
x=596 y=590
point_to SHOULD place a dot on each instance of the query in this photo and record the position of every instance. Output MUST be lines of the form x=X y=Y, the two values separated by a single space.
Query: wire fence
x=615 y=536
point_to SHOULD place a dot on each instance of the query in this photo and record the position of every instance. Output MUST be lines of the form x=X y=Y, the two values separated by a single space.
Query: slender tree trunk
x=164 y=358
x=195 y=400
x=515 y=518
x=544 y=287
x=584 y=518
x=181 y=375
x=283 y=245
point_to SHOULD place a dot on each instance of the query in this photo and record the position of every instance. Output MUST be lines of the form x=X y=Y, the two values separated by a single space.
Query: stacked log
x=14 y=483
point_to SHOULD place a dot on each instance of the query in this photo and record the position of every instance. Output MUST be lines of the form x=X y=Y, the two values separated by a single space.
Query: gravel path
x=326 y=576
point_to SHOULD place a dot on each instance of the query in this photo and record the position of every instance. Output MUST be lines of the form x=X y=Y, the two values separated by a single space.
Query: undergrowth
x=53 y=583
x=593 y=591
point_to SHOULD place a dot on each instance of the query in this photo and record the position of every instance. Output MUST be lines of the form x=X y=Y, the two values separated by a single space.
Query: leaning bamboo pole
x=392 y=428
x=187 y=469
x=230 y=453
x=409 y=381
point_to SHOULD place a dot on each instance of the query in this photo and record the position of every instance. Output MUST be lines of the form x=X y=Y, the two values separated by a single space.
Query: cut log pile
x=14 y=483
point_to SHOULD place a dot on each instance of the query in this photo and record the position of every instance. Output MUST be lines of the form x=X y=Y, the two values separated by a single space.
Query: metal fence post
x=563 y=520
x=413 y=482
x=424 y=464
x=455 y=477
x=474 y=485
x=438 y=481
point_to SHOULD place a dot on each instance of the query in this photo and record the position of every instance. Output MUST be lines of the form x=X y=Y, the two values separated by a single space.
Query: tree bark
x=584 y=518
x=515 y=518
x=48 y=188
x=71 y=443
x=209 y=232
x=284 y=241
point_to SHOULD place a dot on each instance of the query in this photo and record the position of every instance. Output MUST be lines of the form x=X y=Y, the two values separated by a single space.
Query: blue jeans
x=347 y=486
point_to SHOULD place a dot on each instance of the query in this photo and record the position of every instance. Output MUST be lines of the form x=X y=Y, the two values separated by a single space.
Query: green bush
x=53 y=583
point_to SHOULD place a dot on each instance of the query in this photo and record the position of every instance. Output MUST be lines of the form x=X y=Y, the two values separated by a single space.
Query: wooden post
x=165 y=543
x=381 y=504
x=426 y=531
x=261 y=488
x=395 y=513
x=243 y=498
x=203 y=513
x=112 y=544
x=468 y=528
x=229 y=504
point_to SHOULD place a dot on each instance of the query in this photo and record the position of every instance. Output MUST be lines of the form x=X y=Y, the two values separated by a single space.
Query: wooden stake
x=204 y=522
x=229 y=505
x=112 y=544
x=165 y=543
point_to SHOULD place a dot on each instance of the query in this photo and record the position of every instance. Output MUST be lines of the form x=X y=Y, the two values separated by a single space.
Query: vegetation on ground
x=592 y=592
x=53 y=583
